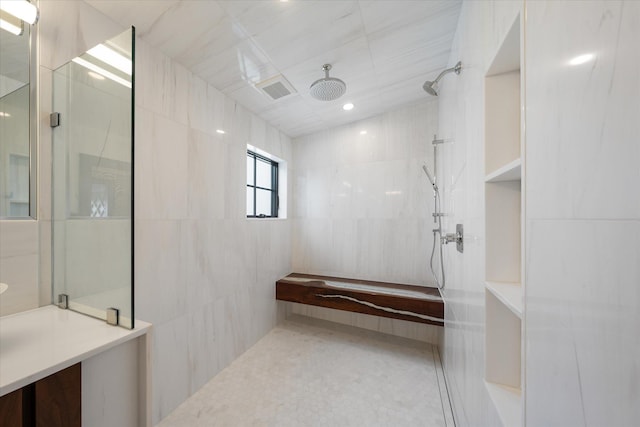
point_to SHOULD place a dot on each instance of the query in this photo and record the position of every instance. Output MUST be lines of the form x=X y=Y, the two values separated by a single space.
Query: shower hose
x=438 y=231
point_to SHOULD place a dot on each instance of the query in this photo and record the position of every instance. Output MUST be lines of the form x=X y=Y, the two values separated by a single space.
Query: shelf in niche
x=509 y=294
x=512 y=171
x=507 y=401
x=507 y=56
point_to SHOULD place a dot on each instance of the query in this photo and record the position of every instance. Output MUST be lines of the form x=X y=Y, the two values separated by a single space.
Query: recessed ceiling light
x=363 y=132
x=3 y=114
x=582 y=59
x=347 y=107
x=220 y=131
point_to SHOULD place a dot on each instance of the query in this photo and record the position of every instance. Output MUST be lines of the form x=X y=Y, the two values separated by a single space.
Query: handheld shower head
x=431 y=180
x=431 y=87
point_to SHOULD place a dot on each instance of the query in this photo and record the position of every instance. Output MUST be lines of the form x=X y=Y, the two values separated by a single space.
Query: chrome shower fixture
x=327 y=88
x=431 y=179
x=431 y=87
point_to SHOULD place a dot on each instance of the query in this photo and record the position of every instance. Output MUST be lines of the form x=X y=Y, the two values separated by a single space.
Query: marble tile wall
x=481 y=27
x=362 y=208
x=362 y=204
x=204 y=274
x=19 y=243
x=583 y=214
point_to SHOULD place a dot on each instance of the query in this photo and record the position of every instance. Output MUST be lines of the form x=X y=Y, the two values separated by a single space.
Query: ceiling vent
x=276 y=87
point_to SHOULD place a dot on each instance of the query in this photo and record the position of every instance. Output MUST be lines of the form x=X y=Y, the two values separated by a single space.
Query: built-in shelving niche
x=504 y=175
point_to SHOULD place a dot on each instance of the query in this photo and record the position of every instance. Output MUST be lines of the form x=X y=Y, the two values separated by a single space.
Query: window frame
x=275 y=199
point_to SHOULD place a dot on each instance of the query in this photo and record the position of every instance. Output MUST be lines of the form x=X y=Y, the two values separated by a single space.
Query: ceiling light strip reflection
x=21 y=9
x=102 y=72
x=10 y=23
x=8 y=26
x=111 y=57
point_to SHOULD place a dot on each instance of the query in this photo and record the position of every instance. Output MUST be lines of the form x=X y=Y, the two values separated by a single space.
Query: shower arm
x=455 y=69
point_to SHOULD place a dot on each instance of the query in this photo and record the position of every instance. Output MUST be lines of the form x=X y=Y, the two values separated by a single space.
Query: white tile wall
x=581 y=165
x=583 y=214
x=19 y=243
x=204 y=274
x=362 y=204
x=101 y=407
x=481 y=27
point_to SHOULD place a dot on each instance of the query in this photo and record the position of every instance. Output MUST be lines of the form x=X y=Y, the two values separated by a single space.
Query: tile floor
x=308 y=372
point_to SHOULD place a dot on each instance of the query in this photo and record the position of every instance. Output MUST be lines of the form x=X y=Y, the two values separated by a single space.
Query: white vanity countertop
x=37 y=343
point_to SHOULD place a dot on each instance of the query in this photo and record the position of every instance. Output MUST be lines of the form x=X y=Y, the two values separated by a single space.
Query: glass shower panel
x=92 y=180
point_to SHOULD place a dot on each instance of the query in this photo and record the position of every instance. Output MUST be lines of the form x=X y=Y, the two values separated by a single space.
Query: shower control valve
x=450 y=238
x=456 y=237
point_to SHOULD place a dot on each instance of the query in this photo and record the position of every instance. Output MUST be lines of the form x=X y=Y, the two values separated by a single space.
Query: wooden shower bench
x=396 y=301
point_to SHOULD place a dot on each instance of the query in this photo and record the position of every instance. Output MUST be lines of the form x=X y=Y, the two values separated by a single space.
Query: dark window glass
x=262 y=186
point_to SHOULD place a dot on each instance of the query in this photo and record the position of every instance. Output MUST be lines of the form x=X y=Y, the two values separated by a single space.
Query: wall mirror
x=17 y=120
x=92 y=178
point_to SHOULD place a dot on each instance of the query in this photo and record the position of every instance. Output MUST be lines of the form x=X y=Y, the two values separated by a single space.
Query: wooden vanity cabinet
x=11 y=409
x=54 y=401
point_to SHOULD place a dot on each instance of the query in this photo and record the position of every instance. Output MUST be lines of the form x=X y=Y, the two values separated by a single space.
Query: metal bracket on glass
x=63 y=301
x=113 y=316
x=54 y=120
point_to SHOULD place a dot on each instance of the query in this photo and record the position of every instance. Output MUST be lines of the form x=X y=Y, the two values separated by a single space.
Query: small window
x=262 y=186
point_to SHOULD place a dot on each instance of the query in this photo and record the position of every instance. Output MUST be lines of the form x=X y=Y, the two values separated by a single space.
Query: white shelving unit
x=509 y=172
x=504 y=200
x=509 y=294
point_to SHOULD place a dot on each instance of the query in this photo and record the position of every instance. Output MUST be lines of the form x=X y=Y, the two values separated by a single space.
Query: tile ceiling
x=383 y=50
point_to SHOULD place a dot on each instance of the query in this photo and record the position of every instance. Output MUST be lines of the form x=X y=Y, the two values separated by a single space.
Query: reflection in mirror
x=92 y=180
x=15 y=132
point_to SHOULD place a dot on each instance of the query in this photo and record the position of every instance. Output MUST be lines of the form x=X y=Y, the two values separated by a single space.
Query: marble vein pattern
x=583 y=237
x=379 y=307
x=401 y=328
x=307 y=372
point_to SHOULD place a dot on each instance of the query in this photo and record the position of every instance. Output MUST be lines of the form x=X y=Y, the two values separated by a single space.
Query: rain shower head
x=327 y=88
x=431 y=87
